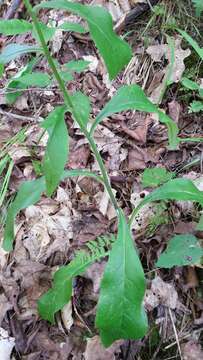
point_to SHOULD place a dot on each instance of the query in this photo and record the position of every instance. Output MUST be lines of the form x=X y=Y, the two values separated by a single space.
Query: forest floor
x=49 y=233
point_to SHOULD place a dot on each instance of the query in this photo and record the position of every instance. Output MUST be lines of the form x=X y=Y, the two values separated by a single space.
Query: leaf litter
x=48 y=233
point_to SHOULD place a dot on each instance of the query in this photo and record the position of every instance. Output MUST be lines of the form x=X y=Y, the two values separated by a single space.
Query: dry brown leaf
x=142 y=219
x=174 y=110
x=95 y=273
x=66 y=315
x=5 y=305
x=161 y=293
x=157 y=52
x=7 y=344
x=96 y=351
x=192 y=351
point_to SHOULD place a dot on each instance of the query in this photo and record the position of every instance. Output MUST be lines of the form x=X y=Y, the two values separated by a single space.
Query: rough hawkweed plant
x=120 y=312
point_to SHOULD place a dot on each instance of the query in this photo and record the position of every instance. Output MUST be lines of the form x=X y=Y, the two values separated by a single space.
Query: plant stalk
x=69 y=103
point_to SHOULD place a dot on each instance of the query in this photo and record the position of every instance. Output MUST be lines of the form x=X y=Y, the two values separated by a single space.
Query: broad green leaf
x=189 y=84
x=155 y=177
x=14 y=27
x=198 y=4
x=120 y=313
x=60 y=293
x=132 y=97
x=196 y=106
x=28 y=194
x=175 y=189
x=12 y=51
x=83 y=110
x=48 y=32
x=181 y=250
x=57 y=148
x=69 y=26
x=14 y=82
x=192 y=42
x=36 y=79
x=115 y=51
x=66 y=76
x=77 y=65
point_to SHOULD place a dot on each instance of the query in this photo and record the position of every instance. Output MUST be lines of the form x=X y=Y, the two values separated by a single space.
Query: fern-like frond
x=60 y=293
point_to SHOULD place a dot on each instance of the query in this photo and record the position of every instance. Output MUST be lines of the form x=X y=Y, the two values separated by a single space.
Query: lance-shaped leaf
x=69 y=26
x=120 y=313
x=28 y=194
x=12 y=51
x=82 y=108
x=132 y=97
x=192 y=42
x=176 y=189
x=182 y=250
x=14 y=27
x=57 y=148
x=115 y=51
x=35 y=79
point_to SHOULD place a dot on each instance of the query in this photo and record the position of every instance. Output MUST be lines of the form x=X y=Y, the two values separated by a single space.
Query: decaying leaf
x=6 y=344
x=175 y=68
x=161 y=293
x=96 y=351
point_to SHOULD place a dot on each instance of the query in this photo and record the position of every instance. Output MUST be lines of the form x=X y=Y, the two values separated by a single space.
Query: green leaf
x=115 y=51
x=132 y=97
x=1 y=70
x=173 y=130
x=12 y=51
x=14 y=27
x=181 y=250
x=66 y=76
x=155 y=177
x=192 y=42
x=60 y=293
x=120 y=313
x=48 y=32
x=35 y=79
x=128 y=97
x=69 y=26
x=199 y=226
x=77 y=65
x=198 y=4
x=28 y=194
x=196 y=106
x=189 y=84
x=57 y=148
x=82 y=111
x=175 y=189
x=14 y=82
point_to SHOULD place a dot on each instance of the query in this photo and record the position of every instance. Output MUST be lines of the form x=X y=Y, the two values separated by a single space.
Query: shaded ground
x=48 y=234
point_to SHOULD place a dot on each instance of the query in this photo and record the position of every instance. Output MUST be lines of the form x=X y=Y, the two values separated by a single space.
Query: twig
x=175 y=333
x=20 y=117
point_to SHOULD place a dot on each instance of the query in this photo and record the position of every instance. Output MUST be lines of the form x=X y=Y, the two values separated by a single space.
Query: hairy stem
x=69 y=104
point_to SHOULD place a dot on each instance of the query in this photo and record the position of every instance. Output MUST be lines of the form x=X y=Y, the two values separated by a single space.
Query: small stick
x=175 y=333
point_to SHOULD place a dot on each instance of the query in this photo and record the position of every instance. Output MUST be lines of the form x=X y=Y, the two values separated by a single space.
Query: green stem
x=69 y=103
